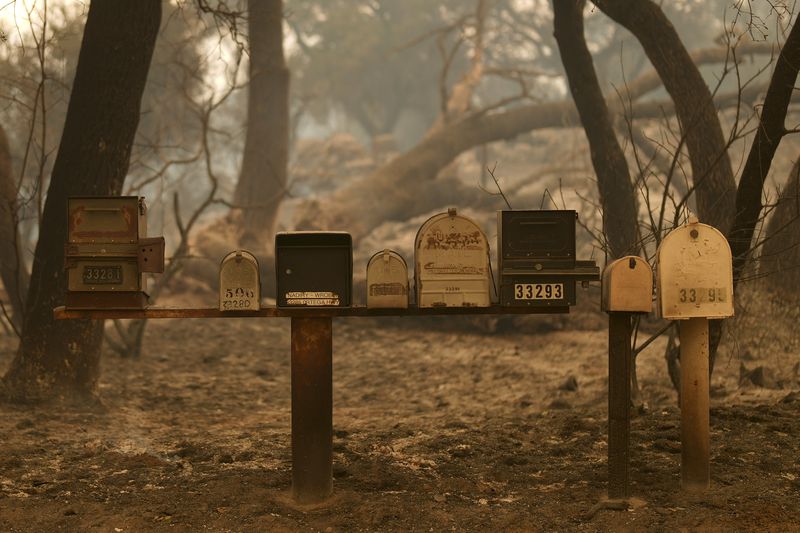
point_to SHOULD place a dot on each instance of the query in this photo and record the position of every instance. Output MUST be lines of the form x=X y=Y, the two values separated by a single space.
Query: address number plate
x=539 y=291
x=102 y=275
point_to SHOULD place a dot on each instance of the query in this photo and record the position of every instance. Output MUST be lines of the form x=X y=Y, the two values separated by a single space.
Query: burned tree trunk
x=771 y=129
x=712 y=175
x=613 y=178
x=262 y=181
x=13 y=272
x=779 y=261
x=61 y=358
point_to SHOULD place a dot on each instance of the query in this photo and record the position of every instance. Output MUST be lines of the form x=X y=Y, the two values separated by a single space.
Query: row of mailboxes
x=108 y=252
x=451 y=265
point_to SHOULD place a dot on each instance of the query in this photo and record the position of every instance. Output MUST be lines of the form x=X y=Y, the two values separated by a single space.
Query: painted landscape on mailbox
x=399 y=265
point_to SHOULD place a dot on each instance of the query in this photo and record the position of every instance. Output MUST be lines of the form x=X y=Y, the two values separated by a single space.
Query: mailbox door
x=451 y=266
x=239 y=283
x=314 y=269
x=695 y=274
x=108 y=219
x=546 y=237
x=387 y=281
x=628 y=286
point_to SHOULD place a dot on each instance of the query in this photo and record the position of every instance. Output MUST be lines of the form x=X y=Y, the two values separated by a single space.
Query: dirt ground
x=439 y=425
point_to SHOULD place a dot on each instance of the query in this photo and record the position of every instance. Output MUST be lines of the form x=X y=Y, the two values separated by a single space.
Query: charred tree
x=13 y=272
x=262 y=180
x=712 y=174
x=771 y=129
x=779 y=261
x=61 y=358
x=617 y=195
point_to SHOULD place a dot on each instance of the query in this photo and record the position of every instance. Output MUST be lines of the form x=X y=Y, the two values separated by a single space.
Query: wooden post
x=312 y=409
x=619 y=400
x=695 y=432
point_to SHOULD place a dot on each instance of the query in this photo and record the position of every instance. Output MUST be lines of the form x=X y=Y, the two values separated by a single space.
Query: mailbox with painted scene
x=108 y=253
x=239 y=282
x=627 y=286
x=537 y=258
x=387 y=281
x=451 y=264
x=313 y=269
x=695 y=273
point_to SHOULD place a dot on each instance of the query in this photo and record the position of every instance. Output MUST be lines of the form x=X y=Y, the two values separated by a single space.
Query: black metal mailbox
x=314 y=269
x=536 y=258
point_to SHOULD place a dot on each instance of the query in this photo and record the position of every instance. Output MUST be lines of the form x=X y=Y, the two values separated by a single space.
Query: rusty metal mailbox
x=387 y=281
x=627 y=286
x=313 y=269
x=239 y=282
x=451 y=267
x=536 y=258
x=695 y=273
x=107 y=253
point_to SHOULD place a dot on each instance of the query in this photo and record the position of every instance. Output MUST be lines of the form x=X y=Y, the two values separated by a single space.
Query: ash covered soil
x=438 y=425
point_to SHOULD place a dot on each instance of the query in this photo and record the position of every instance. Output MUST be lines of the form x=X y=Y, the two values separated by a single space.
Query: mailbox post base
x=619 y=400
x=312 y=409
x=695 y=430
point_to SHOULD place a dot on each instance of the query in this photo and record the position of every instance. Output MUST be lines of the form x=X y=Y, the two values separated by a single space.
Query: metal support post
x=312 y=409
x=695 y=431
x=619 y=401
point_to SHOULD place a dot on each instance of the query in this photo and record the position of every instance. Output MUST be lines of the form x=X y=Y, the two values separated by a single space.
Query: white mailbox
x=451 y=266
x=387 y=281
x=695 y=273
x=239 y=282
x=628 y=285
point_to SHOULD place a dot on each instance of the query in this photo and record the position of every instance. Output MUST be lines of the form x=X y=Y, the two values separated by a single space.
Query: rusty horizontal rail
x=61 y=313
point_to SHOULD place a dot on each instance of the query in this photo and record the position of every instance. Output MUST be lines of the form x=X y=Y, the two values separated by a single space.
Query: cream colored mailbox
x=387 y=281
x=451 y=267
x=239 y=282
x=628 y=286
x=695 y=273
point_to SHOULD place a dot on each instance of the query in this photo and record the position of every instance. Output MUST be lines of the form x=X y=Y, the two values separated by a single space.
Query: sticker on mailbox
x=312 y=299
x=539 y=291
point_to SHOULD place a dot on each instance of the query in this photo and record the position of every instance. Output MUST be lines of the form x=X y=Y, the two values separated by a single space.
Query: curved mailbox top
x=628 y=285
x=695 y=273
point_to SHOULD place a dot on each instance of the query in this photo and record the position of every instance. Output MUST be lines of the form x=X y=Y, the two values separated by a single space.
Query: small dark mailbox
x=314 y=268
x=107 y=253
x=536 y=256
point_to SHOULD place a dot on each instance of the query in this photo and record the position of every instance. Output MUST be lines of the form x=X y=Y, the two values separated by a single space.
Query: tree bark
x=61 y=358
x=771 y=130
x=714 y=183
x=13 y=272
x=617 y=195
x=780 y=254
x=262 y=181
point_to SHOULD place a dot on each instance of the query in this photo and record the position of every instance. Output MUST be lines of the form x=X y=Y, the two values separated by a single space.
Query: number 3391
x=702 y=295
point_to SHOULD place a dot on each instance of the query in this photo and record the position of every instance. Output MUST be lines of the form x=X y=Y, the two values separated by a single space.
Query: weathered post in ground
x=312 y=409
x=695 y=283
x=627 y=290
